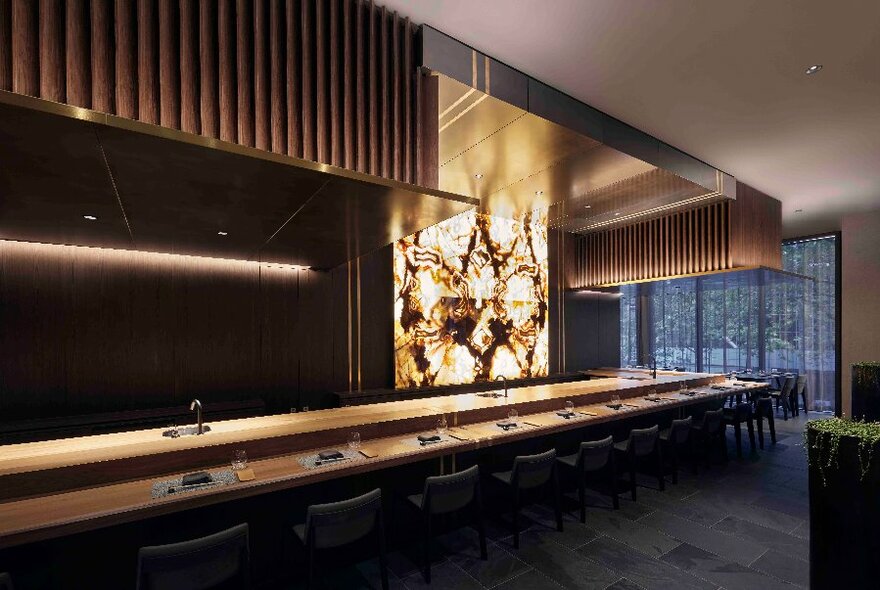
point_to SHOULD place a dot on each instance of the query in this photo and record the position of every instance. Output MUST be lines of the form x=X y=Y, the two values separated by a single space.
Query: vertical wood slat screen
x=697 y=240
x=325 y=80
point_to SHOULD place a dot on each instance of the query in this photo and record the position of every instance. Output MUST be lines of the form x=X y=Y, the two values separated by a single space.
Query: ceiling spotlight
x=798 y=210
x=588 y=206
x=90 y=217
x=616 y=213
x=478 y=176
x=539 y=193
x=813 y=69
x=222 y=233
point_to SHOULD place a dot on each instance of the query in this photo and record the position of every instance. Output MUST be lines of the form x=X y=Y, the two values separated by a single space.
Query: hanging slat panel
x=52 y=82
x=244 y=70
x=126 y=69
x=5 y=44
x=294 y=80
x=209 y=116
x=226 y=42
x=189 y=67
x=277 y=78
x=25 y=56
x=103 y=78
x=169 y=66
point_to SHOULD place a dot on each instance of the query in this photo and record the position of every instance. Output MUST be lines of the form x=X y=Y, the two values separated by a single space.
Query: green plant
x=867 y=374
x=823 y=451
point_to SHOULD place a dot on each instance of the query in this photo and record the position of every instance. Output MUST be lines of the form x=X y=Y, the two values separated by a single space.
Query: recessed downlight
x=813 y=69
x=616 y=213
x=478 y=176
x=798 y=210
x=588 y=206
x=539 y=193
x=90 y=217
x=222 y=233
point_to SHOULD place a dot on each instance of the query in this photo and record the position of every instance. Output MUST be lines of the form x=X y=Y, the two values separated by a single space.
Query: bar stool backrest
x=788 y=385
x=341 y=523
x=448 y=493
x=712 y=421
x=531 y=471
x=742 y=412
x=197 y=564
x=6 y=582
x=642 y=441
x=680 y=430
x=595 y=454
x=801 y=384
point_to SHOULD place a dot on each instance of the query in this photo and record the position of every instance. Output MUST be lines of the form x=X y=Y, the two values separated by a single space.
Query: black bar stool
x=593 y=455
x=764 y=409
x=710 y=430
x=6 y=582
x=198 y=564
x=449 y=493
x=783 y=396
x=529 y=472
x=735 y=417
x=678 y=434
x=642 y=442
x=800 y=391
x=340 y=523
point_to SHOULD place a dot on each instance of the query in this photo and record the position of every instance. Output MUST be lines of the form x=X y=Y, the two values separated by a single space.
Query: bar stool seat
x=710 y=429
x=444 y=494
x=641 y=443
x=340 y=523
x=531 y=472
x=735 y=417
x=678 y=434
x=592 y=456
x=197 y=564
x=6 y=582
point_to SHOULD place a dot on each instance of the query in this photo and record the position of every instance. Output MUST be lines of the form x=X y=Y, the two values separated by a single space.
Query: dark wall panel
x=592 y=330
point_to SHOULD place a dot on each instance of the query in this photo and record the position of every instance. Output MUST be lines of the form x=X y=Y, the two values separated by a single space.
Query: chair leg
x=632 y=475
x=661 y=480
x=481 y=525
x=723 y=438
x=426 y=548
x=516 y=519
x=737 y=432
x=383 y=560
x=557 y=501
x=771 y=420
x=804 y=397
x=310 y=580
x=615 y=500
x=751 y=426
x=674 y=451
x=760 y=420
x=582 y=495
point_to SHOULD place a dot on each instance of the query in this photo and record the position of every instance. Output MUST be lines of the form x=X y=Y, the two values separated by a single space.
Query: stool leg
x=760 y=419
x=660 y=479
x=383 y=561
x=723 y=438
x=515 y=518
x=674 y=451
x=615 y=500
x=751 y=426
x=481 y=525
x=772 y=422
x=310 y=581
x=631 y=459
x=582 y=495
x=557 y=502
x=737 y=432
x=426 y=547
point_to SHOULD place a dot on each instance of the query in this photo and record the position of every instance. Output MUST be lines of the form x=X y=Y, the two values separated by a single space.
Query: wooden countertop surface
x=68 y=452
x=50 y=516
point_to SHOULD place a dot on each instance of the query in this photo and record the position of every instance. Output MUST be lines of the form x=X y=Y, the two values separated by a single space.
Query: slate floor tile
x=463 y=550
x=531 y=580
x=770 y=538
x=624 y=584
x=564 y=566
x=650 y=541
x=729 y=575
x=705 y=538
x=647 y=572
x=446 y=576
x=784 y=567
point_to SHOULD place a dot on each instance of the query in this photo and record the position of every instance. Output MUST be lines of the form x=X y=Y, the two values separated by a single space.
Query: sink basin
x=187 y=431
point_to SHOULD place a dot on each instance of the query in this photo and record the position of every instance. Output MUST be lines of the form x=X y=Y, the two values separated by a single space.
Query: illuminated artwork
x=471 y=301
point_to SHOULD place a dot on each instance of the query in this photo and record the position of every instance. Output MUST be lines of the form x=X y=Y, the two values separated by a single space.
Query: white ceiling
x=721 y=80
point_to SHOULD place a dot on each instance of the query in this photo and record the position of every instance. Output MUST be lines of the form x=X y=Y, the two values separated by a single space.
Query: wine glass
x=239 y=460
x=512 y=415
x=569 y=407
x=173 y=431
x=442 y=425
x=305 y=408
x=615 y=401
x=354 y=441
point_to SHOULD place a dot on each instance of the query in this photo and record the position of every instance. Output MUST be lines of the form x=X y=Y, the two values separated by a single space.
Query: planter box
x=845 y=522
x=865 y=396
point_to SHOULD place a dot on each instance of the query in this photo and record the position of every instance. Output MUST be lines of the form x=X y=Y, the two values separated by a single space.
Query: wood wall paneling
x=5 y=44
x=52 y=82
x=755 y=229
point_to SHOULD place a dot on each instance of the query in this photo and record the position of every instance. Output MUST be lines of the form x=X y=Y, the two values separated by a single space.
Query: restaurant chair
x=531 y=472
x=592 y=456
x=710 y=430
x=673 y=438
x=6 y=582
x=736 y=417
x=328 y=526
x=444 y=494
x=783 y=396
x=800 y=391
x=198 y=564
x=764 y=409
x=641 y=443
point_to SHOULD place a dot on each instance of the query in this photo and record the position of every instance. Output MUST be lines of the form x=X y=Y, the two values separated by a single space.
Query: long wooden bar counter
x=73 y=507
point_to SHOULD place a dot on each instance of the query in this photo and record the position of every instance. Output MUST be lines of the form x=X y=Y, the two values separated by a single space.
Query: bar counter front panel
x=55 y=488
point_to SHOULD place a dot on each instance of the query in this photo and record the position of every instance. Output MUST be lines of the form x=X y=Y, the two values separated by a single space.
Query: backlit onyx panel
x=471 y=301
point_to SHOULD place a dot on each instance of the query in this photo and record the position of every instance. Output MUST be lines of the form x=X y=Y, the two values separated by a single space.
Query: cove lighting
x=813 y=69
x=222 y=233
x=90 y=217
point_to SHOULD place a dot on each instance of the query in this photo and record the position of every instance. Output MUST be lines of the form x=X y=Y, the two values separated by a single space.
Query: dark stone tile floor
x=740 y=525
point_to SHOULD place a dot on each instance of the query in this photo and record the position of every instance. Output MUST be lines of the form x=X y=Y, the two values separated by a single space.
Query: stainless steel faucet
x=653 y=366
x=196 y=406
x=503 y=378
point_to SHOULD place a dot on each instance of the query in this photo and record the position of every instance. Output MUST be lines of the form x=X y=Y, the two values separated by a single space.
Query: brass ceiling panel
x=176 y=191
x=528 y=162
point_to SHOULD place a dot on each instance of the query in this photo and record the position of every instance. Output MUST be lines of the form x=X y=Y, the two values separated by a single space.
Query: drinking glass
x=615 y=399
x=354 y=441
x=172 y=428
x=441 y=425
x=569 y=407
x=293 y=410
x=239 y=460
x=305 y=408
x=512 y=415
